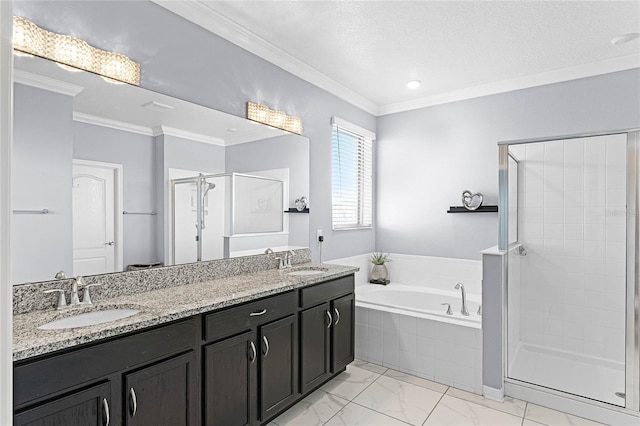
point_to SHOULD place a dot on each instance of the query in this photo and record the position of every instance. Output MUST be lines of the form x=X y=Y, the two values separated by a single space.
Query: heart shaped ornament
x=472 y=201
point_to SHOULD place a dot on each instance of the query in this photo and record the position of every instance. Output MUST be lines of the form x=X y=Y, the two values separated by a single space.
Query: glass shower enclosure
x=208 y=211
x=569 y=222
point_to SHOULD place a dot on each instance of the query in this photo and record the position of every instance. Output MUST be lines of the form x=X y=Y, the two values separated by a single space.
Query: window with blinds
x=352 y=179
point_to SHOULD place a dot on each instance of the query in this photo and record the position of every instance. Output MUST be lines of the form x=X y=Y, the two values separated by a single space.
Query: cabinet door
x=278 y=366
x=84 y=408
x=161 y=394
x=230 y=381
x=315 y=343
x=342 y=332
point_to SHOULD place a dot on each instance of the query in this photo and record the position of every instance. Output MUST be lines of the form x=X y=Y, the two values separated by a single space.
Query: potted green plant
x=379 y=273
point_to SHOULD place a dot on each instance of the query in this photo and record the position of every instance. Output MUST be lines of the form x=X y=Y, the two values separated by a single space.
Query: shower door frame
x=632 y=331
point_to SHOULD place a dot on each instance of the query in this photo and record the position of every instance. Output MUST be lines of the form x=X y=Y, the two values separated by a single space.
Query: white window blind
x=352 y=179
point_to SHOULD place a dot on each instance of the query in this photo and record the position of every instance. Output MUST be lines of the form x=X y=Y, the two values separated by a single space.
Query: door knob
x=110 y=243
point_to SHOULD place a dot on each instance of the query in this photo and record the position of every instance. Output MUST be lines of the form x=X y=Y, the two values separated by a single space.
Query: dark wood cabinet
x=278 y=365
x=238 y=366
x=229 y=381
x=89 y=407
x=315 y=344
x=342 y=332
x=326 y=331
x=160 y=394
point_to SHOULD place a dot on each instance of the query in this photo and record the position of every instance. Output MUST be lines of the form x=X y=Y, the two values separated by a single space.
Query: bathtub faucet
x=463 y=310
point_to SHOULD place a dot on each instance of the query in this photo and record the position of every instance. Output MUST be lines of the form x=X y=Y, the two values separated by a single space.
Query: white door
x=96 y=248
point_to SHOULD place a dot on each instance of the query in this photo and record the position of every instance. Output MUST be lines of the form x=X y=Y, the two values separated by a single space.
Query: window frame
x=364 y=137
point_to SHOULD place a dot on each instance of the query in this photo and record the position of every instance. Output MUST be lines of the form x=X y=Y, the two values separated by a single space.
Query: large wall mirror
x=111 y=177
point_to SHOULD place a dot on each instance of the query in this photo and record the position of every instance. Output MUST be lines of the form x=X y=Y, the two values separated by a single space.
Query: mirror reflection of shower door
x=193 y=207
x=567 y=290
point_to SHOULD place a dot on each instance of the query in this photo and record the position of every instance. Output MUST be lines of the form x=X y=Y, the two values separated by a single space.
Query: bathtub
x=403 y=325
x=420 y=302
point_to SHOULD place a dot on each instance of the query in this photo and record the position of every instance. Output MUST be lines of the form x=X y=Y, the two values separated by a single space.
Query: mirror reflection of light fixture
x=68 y=50
x=278 y=119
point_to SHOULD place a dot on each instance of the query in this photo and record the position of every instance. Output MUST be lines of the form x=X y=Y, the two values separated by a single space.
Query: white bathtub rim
x=473 y=321
x=432 y=317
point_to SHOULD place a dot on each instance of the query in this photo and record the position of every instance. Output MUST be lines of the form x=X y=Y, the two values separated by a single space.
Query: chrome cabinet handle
x=337 y=316
x=252 y=358
x=330 y=318
x=134 y=402
x=258 y=313
x=266 y=346
x=110 y=243
x=105 y=411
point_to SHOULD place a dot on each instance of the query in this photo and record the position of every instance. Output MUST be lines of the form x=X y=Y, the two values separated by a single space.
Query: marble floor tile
x=356 y=415
x=428 y=384
x=550 y=417
x=527 y=422
x=454 y=411
x=350 y=383
x=400 y=400
x=315 y=409
x=510 y=405
x=369 y=366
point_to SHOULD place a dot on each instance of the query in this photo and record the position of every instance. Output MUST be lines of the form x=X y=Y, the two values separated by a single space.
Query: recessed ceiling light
x=414 y=84
x=625 y=38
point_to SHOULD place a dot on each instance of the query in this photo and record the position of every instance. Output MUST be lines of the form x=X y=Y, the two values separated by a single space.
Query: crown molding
x=112 y=124
x=185 y=134
x=556 y=76
x=200 y=13
x=46 y=83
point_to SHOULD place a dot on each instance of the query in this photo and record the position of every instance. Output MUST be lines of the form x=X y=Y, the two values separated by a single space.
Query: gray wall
x=41 y=245
x=183 y=60
x=427 y=157
x=135 y=153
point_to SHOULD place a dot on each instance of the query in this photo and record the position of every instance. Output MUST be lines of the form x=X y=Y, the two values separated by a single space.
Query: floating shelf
x=294 y=210
x=481 y=209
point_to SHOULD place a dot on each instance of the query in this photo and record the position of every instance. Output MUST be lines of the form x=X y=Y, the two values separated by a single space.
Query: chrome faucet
x=464 y=311
x=75 y=300
x=268 y=251
x=287 y=258
x=76 y=283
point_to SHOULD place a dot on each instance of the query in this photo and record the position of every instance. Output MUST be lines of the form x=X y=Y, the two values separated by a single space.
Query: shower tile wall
x=572 y=223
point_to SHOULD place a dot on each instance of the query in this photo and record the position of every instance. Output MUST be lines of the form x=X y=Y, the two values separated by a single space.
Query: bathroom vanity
x=238 y=358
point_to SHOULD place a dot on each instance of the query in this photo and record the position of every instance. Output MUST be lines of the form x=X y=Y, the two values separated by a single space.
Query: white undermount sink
x=307 y=271
x=89 y=318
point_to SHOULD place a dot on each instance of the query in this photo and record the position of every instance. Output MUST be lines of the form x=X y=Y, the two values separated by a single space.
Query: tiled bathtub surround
x=440 y=351
x=30 y=297
x=446 y=353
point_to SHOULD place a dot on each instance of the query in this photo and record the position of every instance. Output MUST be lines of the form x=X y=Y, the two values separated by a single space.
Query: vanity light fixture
x=68 y=50
x=414 y=84
x=274 y=118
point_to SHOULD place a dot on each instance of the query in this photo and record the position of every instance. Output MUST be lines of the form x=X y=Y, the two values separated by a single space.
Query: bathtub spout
x=464 y=311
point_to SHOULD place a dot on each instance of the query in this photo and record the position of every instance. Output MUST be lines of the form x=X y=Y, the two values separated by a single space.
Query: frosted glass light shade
x=71 y=51
x=278 y=119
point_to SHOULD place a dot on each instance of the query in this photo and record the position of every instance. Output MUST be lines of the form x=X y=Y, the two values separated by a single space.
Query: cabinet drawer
x=319 y=293
x=38 y=379
x=239 y=318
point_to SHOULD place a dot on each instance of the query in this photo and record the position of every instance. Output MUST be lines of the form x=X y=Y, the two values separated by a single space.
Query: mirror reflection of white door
x=97 y=217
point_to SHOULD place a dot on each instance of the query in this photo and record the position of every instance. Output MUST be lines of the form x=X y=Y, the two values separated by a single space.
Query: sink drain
x=621 y=395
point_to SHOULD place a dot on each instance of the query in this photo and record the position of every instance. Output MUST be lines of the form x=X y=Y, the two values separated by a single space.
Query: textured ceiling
x=375 y=47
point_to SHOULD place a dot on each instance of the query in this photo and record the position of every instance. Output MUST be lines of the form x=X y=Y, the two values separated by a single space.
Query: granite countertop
x=160 y=306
